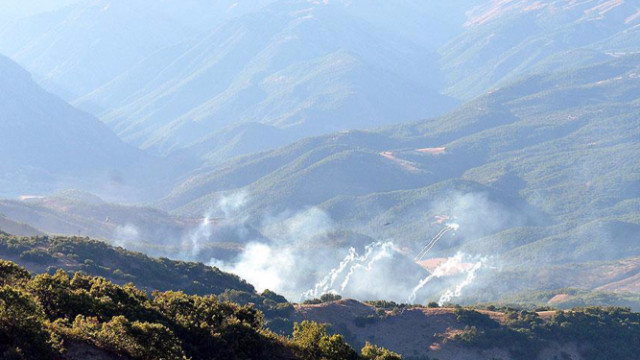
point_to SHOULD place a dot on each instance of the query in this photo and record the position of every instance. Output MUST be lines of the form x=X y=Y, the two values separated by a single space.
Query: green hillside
x=542 y=171
x=504 y=41
x=96 y=258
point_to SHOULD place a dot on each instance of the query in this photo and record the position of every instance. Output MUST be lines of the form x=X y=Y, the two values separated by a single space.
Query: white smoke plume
x=354 y=262
x=192 y=243
x=231 y=204
x=126 y=236
x=374 y=253
x=301 y=255
x=453 y=267
x=305 y=254
x=288 y=256
x=262 y=266
x=478 y=216
x=299 y=249
x=326 y=284
x=226 y=207
x=471 y=275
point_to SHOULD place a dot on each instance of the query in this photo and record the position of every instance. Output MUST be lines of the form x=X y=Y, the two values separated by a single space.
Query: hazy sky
x=19 y=8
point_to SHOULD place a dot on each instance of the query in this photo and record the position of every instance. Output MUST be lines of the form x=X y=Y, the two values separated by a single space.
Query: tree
x=307 y=336
x=433 y=305
x=372 y=352
x=314 y=343
x=334 y=347
x=23 y=334
x=137 y=340
x=330 y=297
x=12 y=274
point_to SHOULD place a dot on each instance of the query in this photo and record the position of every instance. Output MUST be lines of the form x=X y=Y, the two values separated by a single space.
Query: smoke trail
x=373 y=253
x=384 y=251
x=443 y=230
x=201 y=233
x=326 y=284
x=439 y=272
x=451 y=267
x=471 y=275
x=228 y=207
x=432 y=243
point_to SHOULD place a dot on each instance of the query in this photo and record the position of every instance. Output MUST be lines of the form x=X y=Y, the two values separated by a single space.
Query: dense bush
x=38 y=256
x=136 y=340
x=372 y=352
x=12 y=274
x=23 y=334
x=382 y=306
x=474 y=318
x=40 y=314
x=313 y=342
x=613 y=333
x=325 y=298
x=362 y=321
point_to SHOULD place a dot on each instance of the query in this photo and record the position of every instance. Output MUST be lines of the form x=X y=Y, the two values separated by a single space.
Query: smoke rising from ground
x=300 y=257
x=126 y=235
x=351 y=264
x=449 y=295
x=475 y=214
x=453 y=268
x=305 y=254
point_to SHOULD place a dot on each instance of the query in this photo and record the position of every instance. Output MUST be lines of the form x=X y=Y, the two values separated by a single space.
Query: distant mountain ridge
x=505 y=40
x=305 y=69
x=44 y=141
x=299 y=67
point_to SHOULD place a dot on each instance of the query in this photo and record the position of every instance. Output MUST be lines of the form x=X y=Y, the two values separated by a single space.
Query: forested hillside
x=99 y=259
x=62 y=314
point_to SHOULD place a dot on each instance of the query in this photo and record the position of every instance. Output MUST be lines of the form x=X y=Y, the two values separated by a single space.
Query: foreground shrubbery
x=41 y=317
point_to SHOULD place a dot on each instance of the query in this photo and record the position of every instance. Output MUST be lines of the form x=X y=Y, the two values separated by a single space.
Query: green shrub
x=136 y=340
x=372 y=352
x=23 y=334
x=313 y=342
x=330 y=297
x=312 y=302
x=12 y=274
x=38 y=256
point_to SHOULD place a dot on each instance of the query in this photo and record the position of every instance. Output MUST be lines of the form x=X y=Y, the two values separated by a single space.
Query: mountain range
x=296 y=68
x=506 y=130
x=45 y=142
